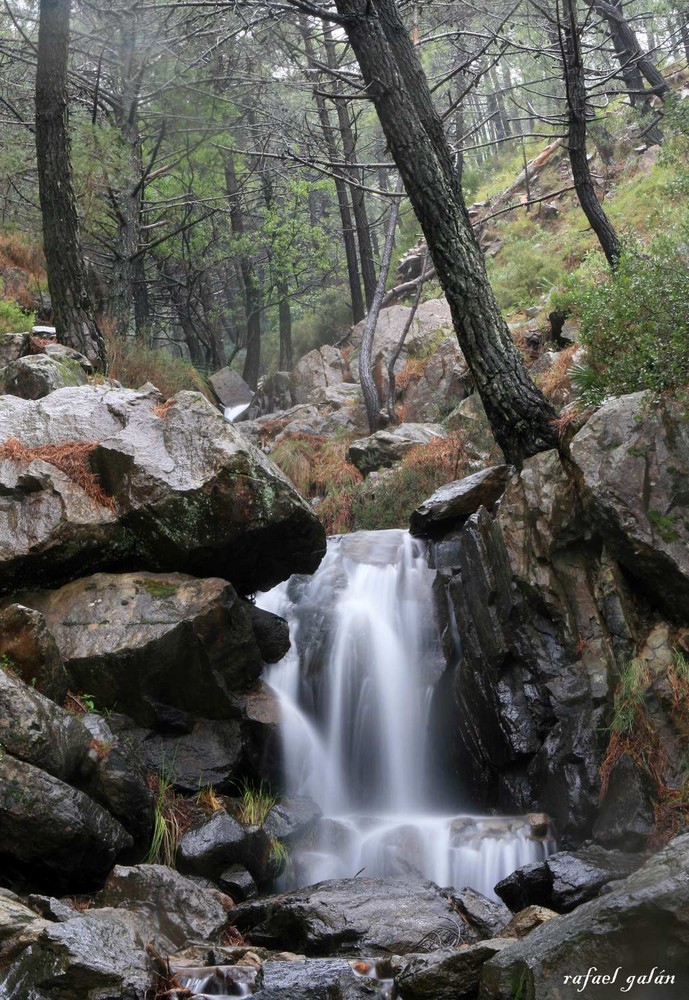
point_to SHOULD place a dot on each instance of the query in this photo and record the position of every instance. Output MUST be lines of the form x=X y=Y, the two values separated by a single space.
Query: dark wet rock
x=57 y=832
x=292 y=819
x=36 y=730
x=100 y=953
x=135 y=639
x=212 y=845
x=486 y=916
x=50 y=908
x=191 y=493
x=383 y=448
x=32 y=651
x=314 y=980
x=230 y=389
x=567 y=879
x=642 y=923
x=359 y=916
x=631 y=459
x=117 y=780
x=452 y=504
x=37 y=375
x=271 y=631
x=238 y=883
x=210 y=754
x=448 y=974
x=626 y=816
x=546 y=619
x=15 y=919
x=173 y=906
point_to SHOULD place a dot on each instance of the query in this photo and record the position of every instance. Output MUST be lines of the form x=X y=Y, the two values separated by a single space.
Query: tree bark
x=620 y=27
x=252 y=290
x=575 y=85
x=368 y=386
x=519 y=414
x=74 y=316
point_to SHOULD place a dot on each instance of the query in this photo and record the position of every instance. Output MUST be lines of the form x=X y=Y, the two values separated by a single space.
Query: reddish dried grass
x=71 y=457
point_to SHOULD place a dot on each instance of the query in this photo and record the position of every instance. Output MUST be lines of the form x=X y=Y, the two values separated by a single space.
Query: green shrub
x=635 y=323
x=524 y=270
x=13 y=319
x=133 y=363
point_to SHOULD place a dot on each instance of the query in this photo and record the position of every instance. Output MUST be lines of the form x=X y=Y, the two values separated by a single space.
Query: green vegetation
x=629 y=697
x=255 y=803
x=170 y=819
x=133 y=363
x=158 y=588
x=278 y=857
x=14 y=319
x=6 y=662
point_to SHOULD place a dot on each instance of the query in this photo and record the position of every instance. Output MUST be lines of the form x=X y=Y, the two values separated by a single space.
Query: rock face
x=447 y=974
x=12 y=347
x=37 y=375
x=181 y=489
x=440 y=387
x=566 y=879
x=318 y=369
x=642 y=923
x=348 y=917
x=384 y=448
x=631 y=458
x=451 y=505
x=137 y=641
x=545 y=619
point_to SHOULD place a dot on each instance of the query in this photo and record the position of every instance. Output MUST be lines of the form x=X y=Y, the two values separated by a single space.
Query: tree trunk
x=74 y=317
x=575 y=85
x=611 y=10
x=358 y=308
x=519 y=414
x=368 y=385
x=252 y=290
x=285 y=312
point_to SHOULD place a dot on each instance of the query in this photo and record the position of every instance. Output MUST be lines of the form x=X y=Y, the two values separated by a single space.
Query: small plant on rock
x=255 y=804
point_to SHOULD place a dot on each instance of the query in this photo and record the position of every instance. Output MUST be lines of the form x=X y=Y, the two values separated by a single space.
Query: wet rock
x=452 y=504
x=60 y=352
x=526 y=920
x=290 y=820
x=36 y=730
x=448 y=974
x=271 y=632
x=358 y=916
x=57 y=832
x=15 y=919
x=191 y=493
x=632 y=461
x=37 y=375
x=210 y=754
x=230 y=389
x=316 y=370
x=99 y=953
x=238 y=883
x=441 y=385
x=32 y=651
x=135 y=639
x=211 y=846
x=642 y=923
x=567 y=879
x=626 y=816
x=539 y=824
x=174 y=907
x=314 y=980
x=486 y=916
x=384 y=448
x=117 y=780
x=431 y=324
x=12 y=347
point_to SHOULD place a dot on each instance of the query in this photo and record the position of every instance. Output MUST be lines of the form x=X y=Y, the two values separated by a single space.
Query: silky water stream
x=355 y=691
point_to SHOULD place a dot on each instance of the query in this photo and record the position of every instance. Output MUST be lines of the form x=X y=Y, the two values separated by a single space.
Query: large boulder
x=640 y=926
x=439 y=387
x=176 y=487
x=12 y=347
x=566 y=879
x=316 y=370
x=452 y=504
x=632 y=461
x=383 y=448
x=432 y=322
x=139 y=642
x=52 y=830
x=359 y=916
x=447 y=974
x=37 y=375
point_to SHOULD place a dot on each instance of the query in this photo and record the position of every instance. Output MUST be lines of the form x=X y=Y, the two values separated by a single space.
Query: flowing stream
x=355 y=690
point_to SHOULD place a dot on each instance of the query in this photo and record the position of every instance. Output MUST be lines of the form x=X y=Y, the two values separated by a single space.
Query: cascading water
x=355 y=690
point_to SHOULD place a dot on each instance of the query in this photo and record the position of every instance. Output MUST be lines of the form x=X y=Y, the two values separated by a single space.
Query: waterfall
x=355 y=690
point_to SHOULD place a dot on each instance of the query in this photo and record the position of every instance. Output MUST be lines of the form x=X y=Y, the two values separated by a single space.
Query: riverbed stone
x=37 y=375
x=383 y=448
x=447 y=974
x=133 y=640
x=32 y=651
x=453 y=504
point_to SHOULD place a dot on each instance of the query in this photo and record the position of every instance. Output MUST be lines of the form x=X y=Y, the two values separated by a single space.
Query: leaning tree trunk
x=252 y=290
x=74 y=317
x=519 y=414
x=575 y=85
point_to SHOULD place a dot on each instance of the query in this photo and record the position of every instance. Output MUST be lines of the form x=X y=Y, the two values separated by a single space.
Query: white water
x=355 y=689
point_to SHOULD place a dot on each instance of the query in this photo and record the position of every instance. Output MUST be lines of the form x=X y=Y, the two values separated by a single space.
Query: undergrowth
x=133 y=363
x=255 y=803
x=171 y=818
